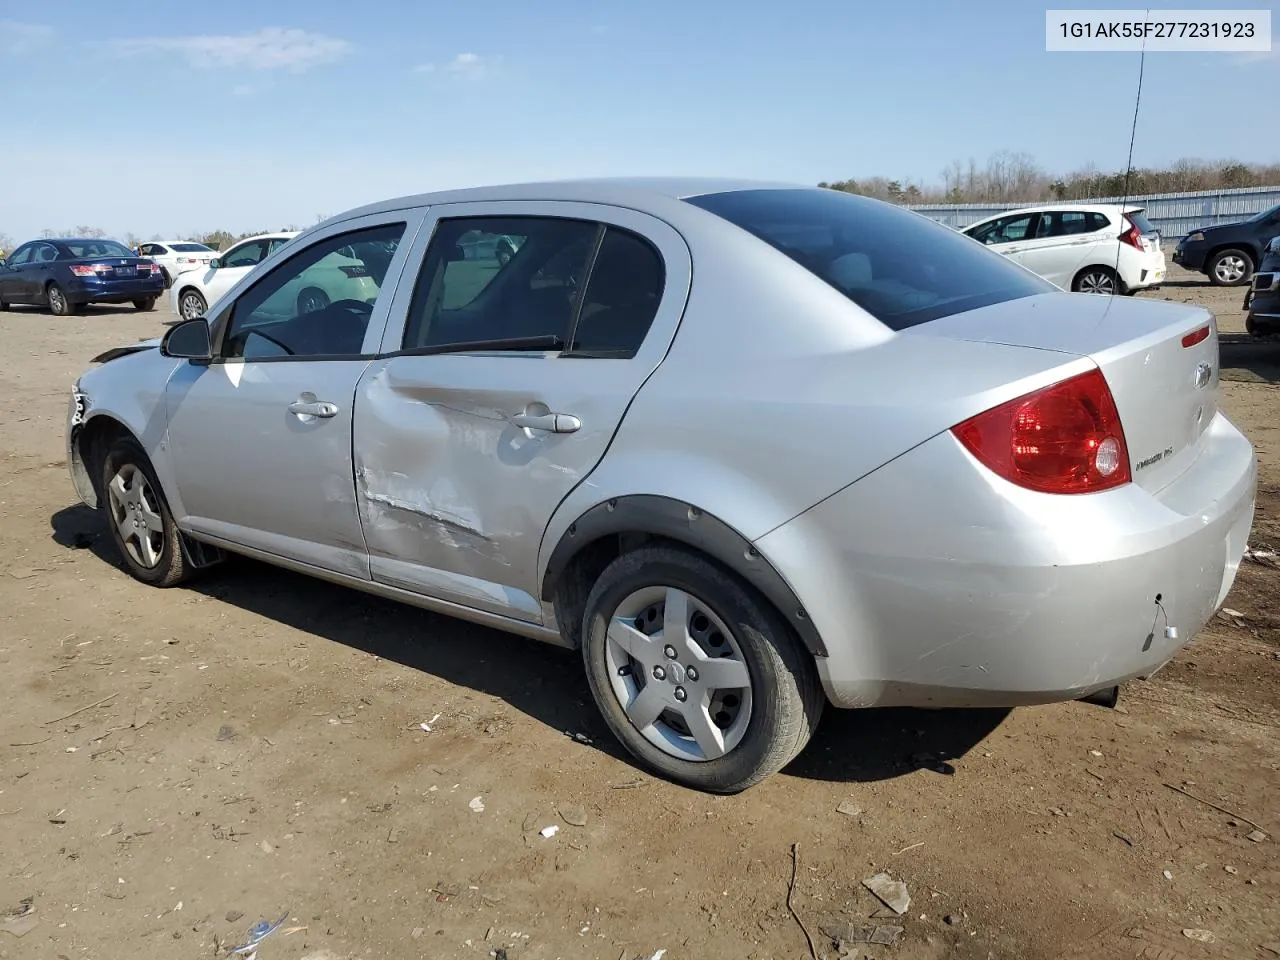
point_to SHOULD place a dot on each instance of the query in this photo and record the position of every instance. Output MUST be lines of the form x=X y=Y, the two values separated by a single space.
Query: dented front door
x=462 y=458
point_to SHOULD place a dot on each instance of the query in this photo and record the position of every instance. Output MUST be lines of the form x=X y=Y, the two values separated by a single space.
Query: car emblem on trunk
x=1204 y=373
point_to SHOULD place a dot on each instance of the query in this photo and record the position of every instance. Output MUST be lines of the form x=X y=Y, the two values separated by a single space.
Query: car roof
x=75 y=240
x=267 y=236
x=622 y=191
x=1064 y=205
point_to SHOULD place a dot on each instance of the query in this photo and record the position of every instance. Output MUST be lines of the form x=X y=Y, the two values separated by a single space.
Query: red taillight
x=1065 y=438
x=1196 y=336
x=89 y=269
x=1132 y=236
x=354 y=271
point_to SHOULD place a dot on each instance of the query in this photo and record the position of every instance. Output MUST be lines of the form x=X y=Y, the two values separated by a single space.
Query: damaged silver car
x=752 y=449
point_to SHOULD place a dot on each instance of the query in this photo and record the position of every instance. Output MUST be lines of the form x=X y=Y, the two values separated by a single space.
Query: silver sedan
x=752 y=449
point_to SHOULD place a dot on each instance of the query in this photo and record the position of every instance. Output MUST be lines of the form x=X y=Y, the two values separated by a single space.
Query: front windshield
x=88 y=249
x=190 y=248
x=1264 y=215
x=899 y=266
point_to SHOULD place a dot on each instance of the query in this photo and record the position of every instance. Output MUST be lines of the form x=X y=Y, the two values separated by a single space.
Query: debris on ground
x=849 y=808
x=892 y=893
x=1200 y=936
x=1168 y=874
x=551 y=831
x=476 y=805
x=881 y=934
x=579 y=737
x=225 y=733
x=1261 y=556
x=1257 y=836
x=259 y=932
x=234 y=915
x=426 y=727
x=573 y=816
x=21 y=920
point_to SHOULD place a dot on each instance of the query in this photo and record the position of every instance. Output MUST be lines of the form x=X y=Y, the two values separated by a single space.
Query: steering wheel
x=354 y=306
x=264 y=336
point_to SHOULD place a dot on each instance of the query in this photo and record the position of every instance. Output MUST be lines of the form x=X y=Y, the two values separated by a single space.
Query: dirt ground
x=178 y=765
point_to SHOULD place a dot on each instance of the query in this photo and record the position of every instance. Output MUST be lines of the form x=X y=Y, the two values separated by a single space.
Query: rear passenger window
x=500 y=278
x=1097 y=221
x=621 y=298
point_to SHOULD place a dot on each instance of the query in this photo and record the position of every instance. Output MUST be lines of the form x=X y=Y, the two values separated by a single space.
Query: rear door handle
x=550 y=422
x=313 y=408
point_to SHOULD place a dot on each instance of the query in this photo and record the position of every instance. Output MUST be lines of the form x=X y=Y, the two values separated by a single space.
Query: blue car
x=66 y=274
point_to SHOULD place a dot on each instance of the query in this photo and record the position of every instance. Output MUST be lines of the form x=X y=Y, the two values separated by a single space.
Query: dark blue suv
x=1228 y=253
x=67 y=273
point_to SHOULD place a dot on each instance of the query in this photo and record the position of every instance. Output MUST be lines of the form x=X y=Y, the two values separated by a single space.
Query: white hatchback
x=1087 y=248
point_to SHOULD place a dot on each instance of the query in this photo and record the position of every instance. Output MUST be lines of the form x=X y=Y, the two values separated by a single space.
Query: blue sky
x=240 y=115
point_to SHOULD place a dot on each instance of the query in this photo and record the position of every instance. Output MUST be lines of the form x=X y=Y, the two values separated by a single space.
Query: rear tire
x=168 y=280
x=4 y=305
x=1230 y=268
x=728 y=632
x=59 y=305
x=146 y=303
x=1101 y=280
x=133 y=504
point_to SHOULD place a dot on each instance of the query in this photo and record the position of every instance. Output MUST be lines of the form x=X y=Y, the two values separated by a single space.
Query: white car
x=338 y=276
x=1087 y=248
x=176 y=256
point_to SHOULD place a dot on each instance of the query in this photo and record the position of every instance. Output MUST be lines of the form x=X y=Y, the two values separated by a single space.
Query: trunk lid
x=1164 y=379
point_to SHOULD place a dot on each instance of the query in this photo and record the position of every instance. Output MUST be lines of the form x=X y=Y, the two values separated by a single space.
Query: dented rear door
x=460 y=458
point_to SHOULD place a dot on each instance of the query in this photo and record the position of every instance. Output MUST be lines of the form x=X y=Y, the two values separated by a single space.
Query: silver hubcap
x=55 y=300
x=192 y=307
x=1097 y=282
x=678 y=673
x=136 y=514
x=1230 y=269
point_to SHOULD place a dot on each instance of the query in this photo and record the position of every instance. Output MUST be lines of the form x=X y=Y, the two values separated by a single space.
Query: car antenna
x=1133 y=133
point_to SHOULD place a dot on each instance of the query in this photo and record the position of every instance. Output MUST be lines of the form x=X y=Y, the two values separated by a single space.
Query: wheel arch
x=88 y=445
x=608 y=529
x=1250 y=247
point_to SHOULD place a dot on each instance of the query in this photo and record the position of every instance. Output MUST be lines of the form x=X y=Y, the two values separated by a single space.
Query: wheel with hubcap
x=1230 y=268
x=139 y=519
x=192 y=304
x=59 y=305
x=1096 y=280
x=696 y=674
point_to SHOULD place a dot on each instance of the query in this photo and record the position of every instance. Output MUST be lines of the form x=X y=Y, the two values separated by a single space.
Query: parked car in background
x=199 y=289
x=1228 y=253
x=733 y=530
x=1081 y=247
x=68 y=273
x=176 y=256
x=1263 y=299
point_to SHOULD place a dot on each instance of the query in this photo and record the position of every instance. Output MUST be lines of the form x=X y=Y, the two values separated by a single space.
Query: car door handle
x=314 y=408
x=551 y=422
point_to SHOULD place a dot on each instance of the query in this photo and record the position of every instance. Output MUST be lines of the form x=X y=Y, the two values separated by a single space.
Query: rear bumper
x=996 y=596
x=91 y=289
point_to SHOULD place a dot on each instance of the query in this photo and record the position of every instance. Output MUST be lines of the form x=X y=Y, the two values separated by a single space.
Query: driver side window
x=21 y=255
x=318 y=302
x=246 y=255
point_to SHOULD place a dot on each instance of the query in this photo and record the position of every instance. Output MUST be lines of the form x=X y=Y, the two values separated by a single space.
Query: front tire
x=192 y=304
x=59 y=305
x=138 y=517
x=738 y=700
x=1101 y=280
x=1230 y=268
x=145 y=303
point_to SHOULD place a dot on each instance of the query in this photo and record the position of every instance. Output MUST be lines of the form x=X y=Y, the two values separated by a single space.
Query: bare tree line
x=1016 y=178
x=217 y=239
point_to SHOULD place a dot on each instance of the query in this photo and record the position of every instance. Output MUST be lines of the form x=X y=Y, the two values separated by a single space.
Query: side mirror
x=215 y=263
x=3 y=263
x=188 y=340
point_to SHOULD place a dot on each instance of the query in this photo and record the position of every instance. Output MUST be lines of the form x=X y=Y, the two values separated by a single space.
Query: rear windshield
x=190 y=248
x=900 y=267
x=83 y=249
x=1142 y=223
